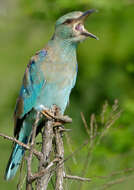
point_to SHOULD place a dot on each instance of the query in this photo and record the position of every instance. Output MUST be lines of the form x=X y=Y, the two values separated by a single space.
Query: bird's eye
x=68 y=21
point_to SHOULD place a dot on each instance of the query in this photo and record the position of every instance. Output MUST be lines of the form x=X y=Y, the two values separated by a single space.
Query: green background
x=106 y=72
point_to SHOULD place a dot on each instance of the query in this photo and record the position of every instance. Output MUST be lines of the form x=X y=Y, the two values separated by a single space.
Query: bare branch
x=85 y=124
x=51 y=163
x=59 y=153
x=70 y=148
x=43 y=172
x=104 y=109
x=77 y=178
x=13 y=139
x=117 y=181
x=76 y=151
x=29 y=159
x=19 y=185
x=47 y=137
x=92 y=129
x=108 y=124
x=113 y=116
x=115 y=173
x=57 y=118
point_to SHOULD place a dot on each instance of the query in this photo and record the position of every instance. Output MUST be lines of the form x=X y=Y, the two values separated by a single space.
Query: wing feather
x=33 y=81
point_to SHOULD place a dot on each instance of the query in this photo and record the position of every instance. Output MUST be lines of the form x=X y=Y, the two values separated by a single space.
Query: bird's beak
x=82 y=18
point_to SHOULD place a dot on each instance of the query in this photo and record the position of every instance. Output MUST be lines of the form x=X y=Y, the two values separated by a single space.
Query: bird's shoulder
x=38 y=57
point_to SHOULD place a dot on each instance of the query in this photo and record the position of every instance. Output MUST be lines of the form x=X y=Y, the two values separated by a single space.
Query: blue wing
x=33 y=82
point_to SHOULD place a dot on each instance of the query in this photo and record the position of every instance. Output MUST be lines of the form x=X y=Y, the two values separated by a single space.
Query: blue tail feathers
x=18 y=151
x=14 y=161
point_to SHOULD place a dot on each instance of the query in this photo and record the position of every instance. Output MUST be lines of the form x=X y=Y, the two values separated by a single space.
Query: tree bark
x=47 y=138
x=59 y=147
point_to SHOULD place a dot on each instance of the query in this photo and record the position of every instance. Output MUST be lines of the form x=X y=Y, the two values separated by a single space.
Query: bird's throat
x=64 y=47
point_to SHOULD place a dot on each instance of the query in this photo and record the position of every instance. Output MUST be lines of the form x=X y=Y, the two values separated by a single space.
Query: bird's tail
x=18 y=151
x=14 y=161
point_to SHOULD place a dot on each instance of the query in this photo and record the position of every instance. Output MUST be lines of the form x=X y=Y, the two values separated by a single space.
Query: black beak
x=82 y=19
x=86 y=14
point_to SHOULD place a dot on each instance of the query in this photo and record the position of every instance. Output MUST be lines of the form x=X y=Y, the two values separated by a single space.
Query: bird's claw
x=58 y=118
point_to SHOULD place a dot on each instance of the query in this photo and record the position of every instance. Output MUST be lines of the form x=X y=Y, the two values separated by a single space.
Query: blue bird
x=48 y=80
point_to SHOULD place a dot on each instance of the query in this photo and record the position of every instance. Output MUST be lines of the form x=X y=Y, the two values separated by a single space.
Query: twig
x=86 y=164
x=43 y=172
x=85 y=124
x=104 y=109
x=77 y=178
x=19 y=185
x=70 y=147
x=54 y=115
x=113 y=116
x=108 y=124
x=115 y=173
x=91 y=146
x=29 y=159
x=35 y=152
x=117 y=181
x=76 y=151
x=92 y=129
x=95 y=127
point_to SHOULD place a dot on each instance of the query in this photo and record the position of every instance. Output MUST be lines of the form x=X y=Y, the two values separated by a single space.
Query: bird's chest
x=60 y=71
x=60 y=76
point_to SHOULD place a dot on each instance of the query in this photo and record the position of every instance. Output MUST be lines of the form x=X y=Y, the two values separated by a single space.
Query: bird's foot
x=55 y=114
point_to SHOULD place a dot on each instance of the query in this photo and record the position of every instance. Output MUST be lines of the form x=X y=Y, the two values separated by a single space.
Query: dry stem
x=59 y=147
x=27 y=147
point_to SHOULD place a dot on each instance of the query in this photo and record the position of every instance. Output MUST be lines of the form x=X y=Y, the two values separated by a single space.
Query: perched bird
x=48 y=80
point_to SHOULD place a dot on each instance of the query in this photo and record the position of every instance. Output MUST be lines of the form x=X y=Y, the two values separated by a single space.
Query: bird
x=48 y=80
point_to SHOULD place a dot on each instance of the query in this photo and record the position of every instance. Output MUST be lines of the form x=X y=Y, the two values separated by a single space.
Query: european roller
x=48 y=80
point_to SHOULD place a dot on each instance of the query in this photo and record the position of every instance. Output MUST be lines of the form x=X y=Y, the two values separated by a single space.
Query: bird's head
x=71 y=26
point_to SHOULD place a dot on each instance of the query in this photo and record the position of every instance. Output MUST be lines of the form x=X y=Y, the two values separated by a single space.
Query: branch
x=47 y=137
x=59 y=153
x=85 y=124
x=29 y=159
x=13 y=139
x=77 y=178
x=70 y=147
x=43 y=172
x=117 y=181
x=52 y=132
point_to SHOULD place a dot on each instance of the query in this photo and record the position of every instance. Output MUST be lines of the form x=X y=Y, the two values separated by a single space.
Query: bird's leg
x=54 y=113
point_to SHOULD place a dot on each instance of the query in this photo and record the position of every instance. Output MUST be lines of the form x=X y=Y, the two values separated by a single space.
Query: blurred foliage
x=106 y=72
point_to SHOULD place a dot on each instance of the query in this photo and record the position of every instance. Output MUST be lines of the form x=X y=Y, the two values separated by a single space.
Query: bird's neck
x=64 y=46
